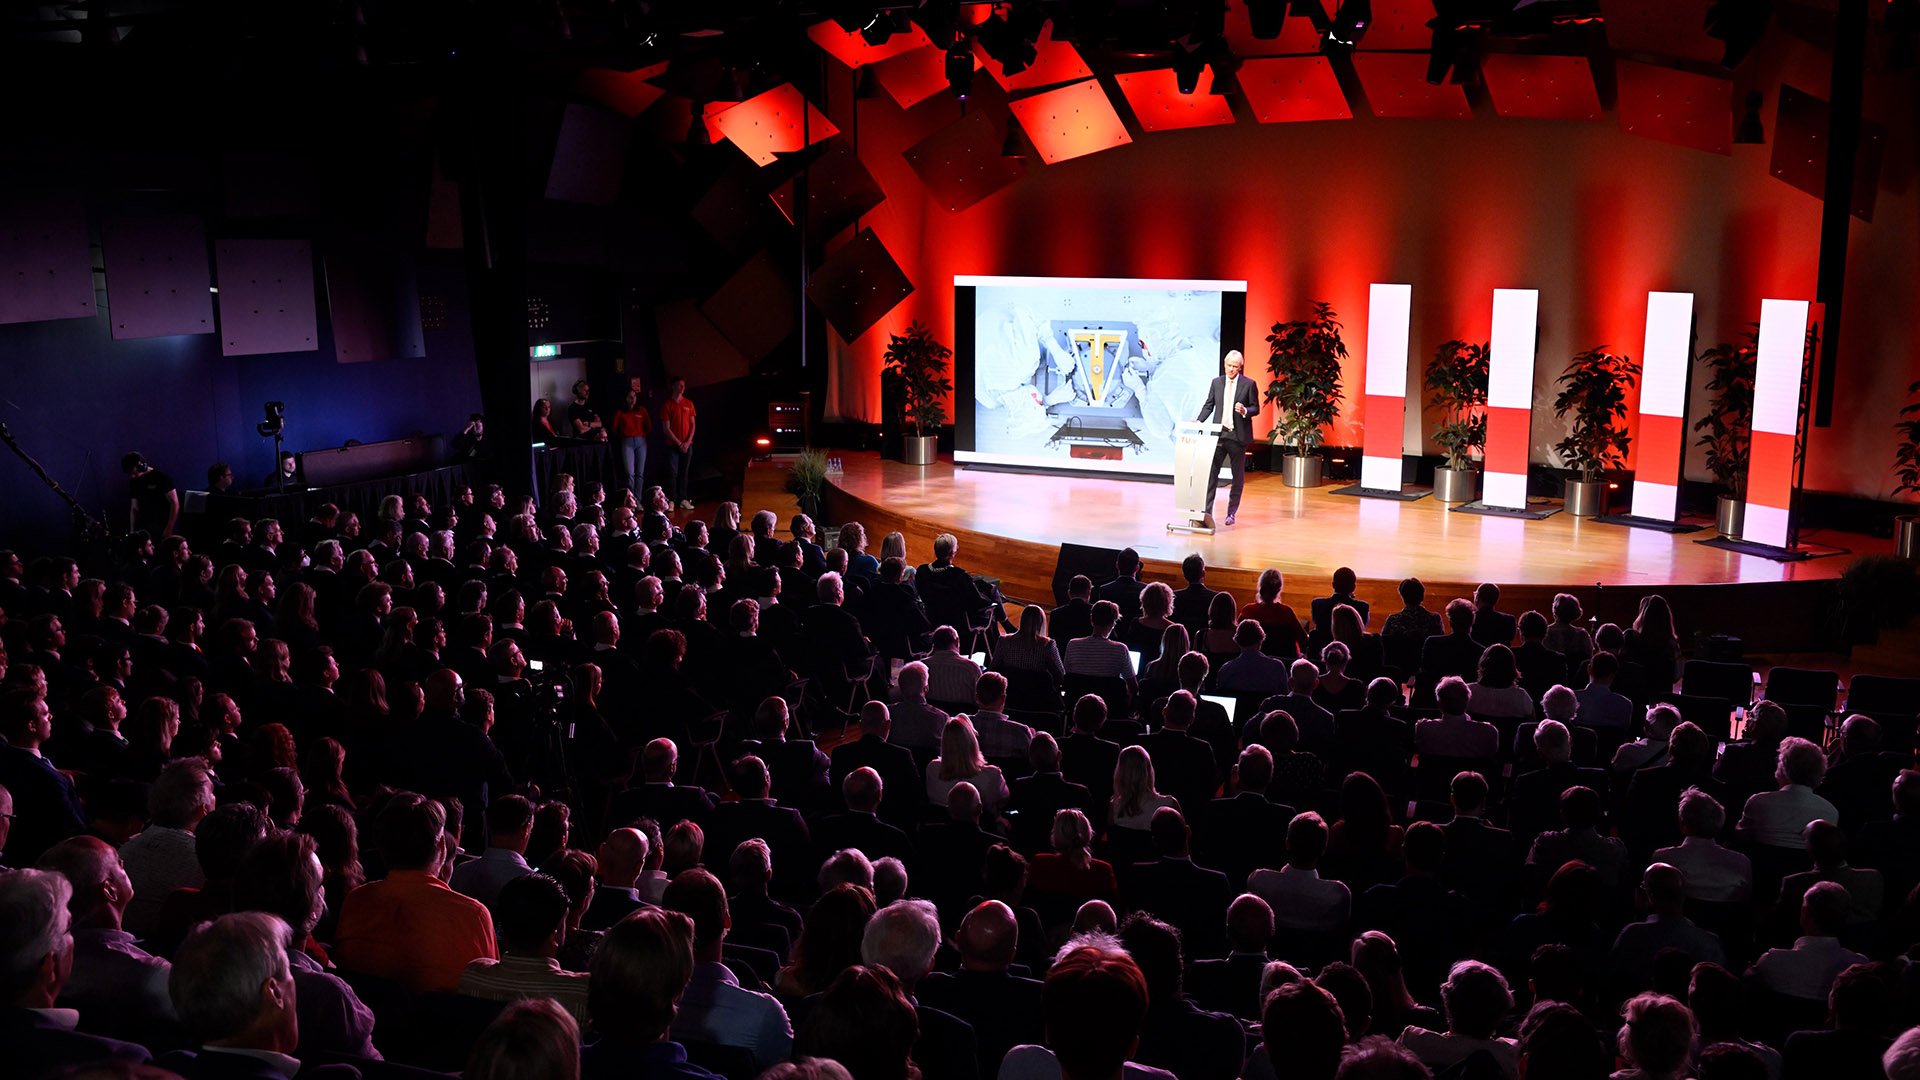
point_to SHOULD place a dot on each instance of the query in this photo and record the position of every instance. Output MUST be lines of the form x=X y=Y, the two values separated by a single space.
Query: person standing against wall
x=631 y=425
x=677 y=415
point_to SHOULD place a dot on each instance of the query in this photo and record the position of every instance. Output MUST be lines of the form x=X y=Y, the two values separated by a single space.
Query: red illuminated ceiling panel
x=1293 y=89
x=1400 y=24
x=769 y=125
x=848 y=47
x=1297 y=35
x=1071 y=122
x=1397 y=87
x=1541 y=87
x=1676 y=106
x=1159 y=105
x=1676 y=28
x=625 y=92
x=1054 y=62
x=913 y=77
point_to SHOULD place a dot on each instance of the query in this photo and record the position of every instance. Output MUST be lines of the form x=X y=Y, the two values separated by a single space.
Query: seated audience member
x=1893 y=846
x=798 y=766
x=639 y=974
x=118 y=987
x=622 y=859
x=860 y=827
x=509 y=828
x=756 y=814
x=1495 y=691
x=1003 y=1008
x=1000 y=736
x=1231 y=984
x=1455 y=734
x=1651 y=748
x=953 y=853
x=866 y=1023
x=1712 y=872
x=161 y=858
x=40 y=1038
x=1718 y=1001
x=829 y=943
x=1178 y=1035
x=1475 y=998
x=1285 y=638
x=1807 y=969
x=1406 y=630
x=1183 y=764
x=1534 y=803
x=1176 y=889
x=1036 y=797
x=1779 y=819
x=1827 y=848
x=951 y=677
x=1600 y=707
x=1481 y=856
x=658 y=795
x=1750 y=766
x=902 y=939
x=1580 y=838
x=961 y=761
x=233 y=987
x=891 y=762
x=1315 y=724
x=1031 y=649
x=1656 y=1038
x=529 y=920
x=46 y=806
x=1646 y=818
x=1454 y=653
x=1637 y=949
x=1253 y=671
x=1086 y=758
x=1491 y=626
x=716 y=1009
x=1074 y=619
x=846 y=866
x=1097 y=655
x=1861 y=1009
x=1556 y=1040
x=530 y=1038
x=282 y=877
x=1566 y=924
x=1135 y=798
x=1299 y=897
x=1243 y=832
x=1069 y=872
x=1540 y=667
x=1433 y=922
x=411 y=927
x=1310 y=1032
x=916 y=725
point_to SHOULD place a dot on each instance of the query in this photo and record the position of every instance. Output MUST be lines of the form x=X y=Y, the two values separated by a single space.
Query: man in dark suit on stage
x=1233 y=398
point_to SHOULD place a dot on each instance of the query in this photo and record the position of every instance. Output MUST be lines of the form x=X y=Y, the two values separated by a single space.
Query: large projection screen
x=1086 y=374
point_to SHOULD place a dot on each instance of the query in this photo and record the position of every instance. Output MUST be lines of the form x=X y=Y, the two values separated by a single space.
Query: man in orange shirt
x=411 y=927
x=676 y=415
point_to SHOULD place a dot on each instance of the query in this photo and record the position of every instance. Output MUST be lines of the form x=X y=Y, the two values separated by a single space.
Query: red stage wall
x=1591 y=216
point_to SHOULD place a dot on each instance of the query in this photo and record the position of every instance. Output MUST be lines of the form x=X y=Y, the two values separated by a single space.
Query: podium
x=1194 y=444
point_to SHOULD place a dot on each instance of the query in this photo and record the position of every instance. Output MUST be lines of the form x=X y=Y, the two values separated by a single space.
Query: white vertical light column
x=1510 y=397
x=1389 y=311
x=1664 y=364
x=1776 y=421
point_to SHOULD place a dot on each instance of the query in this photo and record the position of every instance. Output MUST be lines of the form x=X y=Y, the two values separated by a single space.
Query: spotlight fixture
x=1266 y=17
x=1740 y=24
x=1011 y=40
x=1187 y=67
x=1751 y=131
x=1350 y=23
x=1226 y=73
x=885 y=24
x=960 y=67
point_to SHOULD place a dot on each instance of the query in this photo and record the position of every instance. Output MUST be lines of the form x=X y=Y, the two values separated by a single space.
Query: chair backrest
x=732 y=1062
x=1710 y=713
x=1710 y=678
x=1874 y=694
x=1802 y=686
x=1030 y=690
x=1110 y=688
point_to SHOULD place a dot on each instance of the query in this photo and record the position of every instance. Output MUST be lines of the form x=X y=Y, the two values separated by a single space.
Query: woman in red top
x=1284 y=635
x=631 y=426
x=677 y=415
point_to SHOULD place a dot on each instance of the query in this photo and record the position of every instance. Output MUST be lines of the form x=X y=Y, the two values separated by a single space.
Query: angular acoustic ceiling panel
x=1397 y=87
x=913 y=77
x=1670 y=28
x=266 y=297
x=1297 y=35
x=728 y=208
x=1156 y=101
x=1071 y=122
x=965 y=161
x=1800 y=139
x=1541 y=87
x=839 y=190
x=1054 y=62
x=46 y=262
x=1293 y=89
x=157 y=276
x=780 y=121
x=1400 y=24
x=1674 y=106
x=858 y=285
x=755 y=308
x=628 y=93
x=852 y=49
x=590 y=156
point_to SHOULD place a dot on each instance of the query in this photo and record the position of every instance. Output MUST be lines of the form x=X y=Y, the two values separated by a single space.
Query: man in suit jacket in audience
x=1534 y=805
x=953 y=854
x=1124 y=590
x=1232 y=983
x=1454 y=652
x=1178 y=890
x=757 y=814
x=622 y=858
x=1344 y=582
x=1314 y=722
x=657 y=796
x=1086 y=758
x=1182 y=765
x=1481 y=858
x=860 y=827
x=1190 y=604
x=1074 y=618
x=799 y=766
x=1246 y=831
x=900 y=779
x=1003 y=1008
x=1035 y=798
x=903 y=937
x=1491 y=626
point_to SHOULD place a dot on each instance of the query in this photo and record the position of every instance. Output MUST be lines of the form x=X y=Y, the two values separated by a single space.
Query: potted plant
x=918 y=363
x=1593 y=389
x=1457 y=377
x=807 y=482
x=1727 y=428
x=1303 y=360
x=1906 y=465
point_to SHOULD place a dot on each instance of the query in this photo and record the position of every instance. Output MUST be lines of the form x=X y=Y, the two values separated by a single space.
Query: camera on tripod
x=276 y=421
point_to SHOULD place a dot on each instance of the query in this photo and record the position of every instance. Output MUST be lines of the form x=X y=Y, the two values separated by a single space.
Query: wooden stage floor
x=1011 y=524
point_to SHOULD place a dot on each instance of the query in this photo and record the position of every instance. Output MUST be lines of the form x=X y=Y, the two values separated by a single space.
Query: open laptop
x=1226 y=703
x=1133 y=657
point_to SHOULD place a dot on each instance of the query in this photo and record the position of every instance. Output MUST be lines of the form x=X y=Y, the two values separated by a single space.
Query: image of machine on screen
x=1088 y=373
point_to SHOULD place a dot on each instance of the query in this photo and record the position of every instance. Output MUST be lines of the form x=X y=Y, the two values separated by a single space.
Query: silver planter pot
x=1906 y=537
x=1729 y=515
x=1455 y=485
x=1301 y=471
x=1586 y=498
x=920 y=449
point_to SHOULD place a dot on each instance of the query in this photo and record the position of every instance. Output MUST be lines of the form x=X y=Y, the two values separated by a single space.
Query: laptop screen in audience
x=1226 y=703
x=978 y=658
x=1133 y=657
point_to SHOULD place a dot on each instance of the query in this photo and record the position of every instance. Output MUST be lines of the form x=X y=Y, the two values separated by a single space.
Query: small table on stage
x=1193 y=447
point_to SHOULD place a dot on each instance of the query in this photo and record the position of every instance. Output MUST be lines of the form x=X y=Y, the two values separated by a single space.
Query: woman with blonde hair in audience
x=1143 y=634
x=1069 y=874
x=1134 y=796
x=1337 y=692
x=853 y=541
x=894 y=546
x=960 y=761
x=1161 y=676
x=1364 y=651
x=1284 y=634
x=1029 y=648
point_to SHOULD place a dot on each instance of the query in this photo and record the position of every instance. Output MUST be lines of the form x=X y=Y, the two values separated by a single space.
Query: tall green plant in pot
x=1593 y=390
x=1303 y=362
x=1457 y=378
x=807 y=482
x=1906 y=466
x=918 y=364
x=1726 y=431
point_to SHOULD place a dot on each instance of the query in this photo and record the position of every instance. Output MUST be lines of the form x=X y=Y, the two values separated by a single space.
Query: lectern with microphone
x=1193 y=447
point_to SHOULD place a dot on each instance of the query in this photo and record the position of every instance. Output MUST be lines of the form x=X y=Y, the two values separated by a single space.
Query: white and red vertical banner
x=1664 y=364
x=1389 y=311
x=1516 y=315
x=1776 y=421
